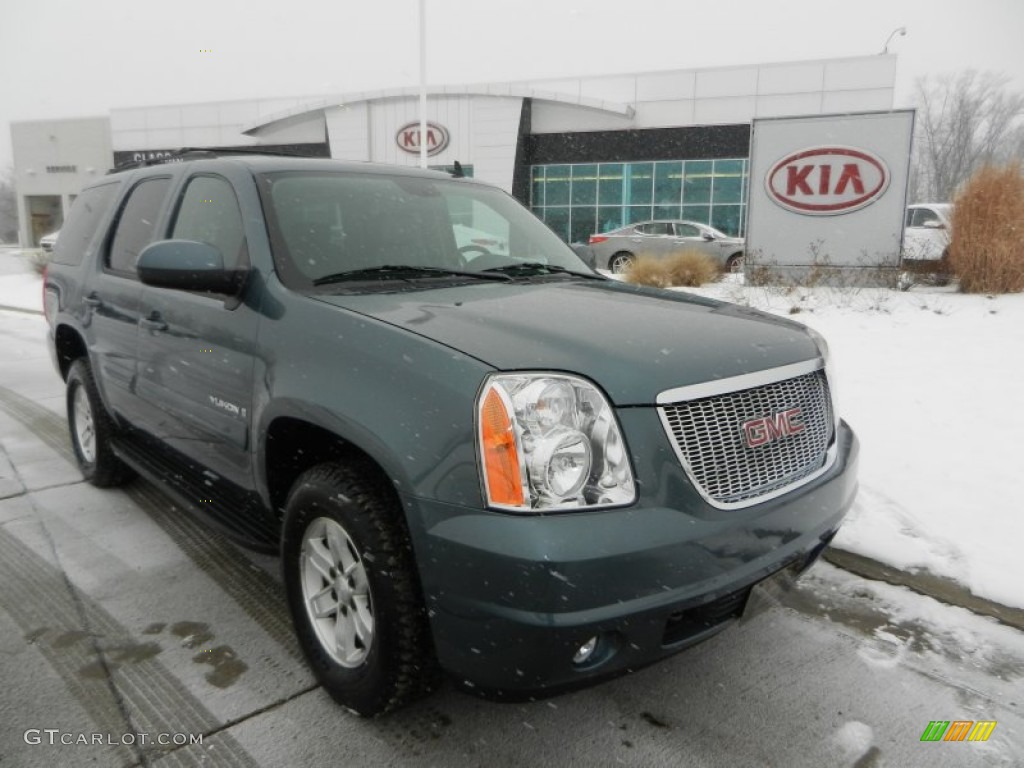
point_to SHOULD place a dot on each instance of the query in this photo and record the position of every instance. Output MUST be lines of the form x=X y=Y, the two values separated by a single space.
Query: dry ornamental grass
x=987 y=233
x=689 y=269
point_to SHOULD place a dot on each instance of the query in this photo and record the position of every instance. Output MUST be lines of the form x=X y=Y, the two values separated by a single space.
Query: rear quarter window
x=78 y=235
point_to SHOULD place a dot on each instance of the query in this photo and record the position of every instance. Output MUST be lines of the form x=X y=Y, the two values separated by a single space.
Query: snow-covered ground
x=932 y=381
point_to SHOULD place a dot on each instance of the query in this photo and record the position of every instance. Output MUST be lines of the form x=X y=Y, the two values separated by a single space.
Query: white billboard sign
x=828 y=190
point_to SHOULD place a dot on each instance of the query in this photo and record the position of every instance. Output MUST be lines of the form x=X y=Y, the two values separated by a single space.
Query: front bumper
x=512 y=598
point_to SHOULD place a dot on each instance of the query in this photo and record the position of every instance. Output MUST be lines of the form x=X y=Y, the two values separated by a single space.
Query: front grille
x=709 y=437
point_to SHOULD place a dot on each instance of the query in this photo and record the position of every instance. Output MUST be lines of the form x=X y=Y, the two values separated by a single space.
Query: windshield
x=328 y=224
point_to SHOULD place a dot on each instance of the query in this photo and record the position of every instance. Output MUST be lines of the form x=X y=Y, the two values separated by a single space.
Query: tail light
x=595 y=239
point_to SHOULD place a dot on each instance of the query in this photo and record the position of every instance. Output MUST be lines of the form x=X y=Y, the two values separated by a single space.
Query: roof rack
x=199 y=153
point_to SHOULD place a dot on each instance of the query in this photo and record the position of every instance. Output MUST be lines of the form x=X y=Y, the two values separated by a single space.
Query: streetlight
x=901 y=31
x=423 y=84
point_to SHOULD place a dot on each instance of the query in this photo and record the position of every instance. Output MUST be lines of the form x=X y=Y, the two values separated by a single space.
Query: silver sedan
x=617 y=249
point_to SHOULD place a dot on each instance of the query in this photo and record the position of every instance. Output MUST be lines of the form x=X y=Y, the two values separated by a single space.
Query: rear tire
x=620 y=262
x=92 y=430
x=353 y=591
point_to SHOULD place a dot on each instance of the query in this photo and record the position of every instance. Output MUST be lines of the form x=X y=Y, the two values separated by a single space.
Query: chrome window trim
x=733 y=384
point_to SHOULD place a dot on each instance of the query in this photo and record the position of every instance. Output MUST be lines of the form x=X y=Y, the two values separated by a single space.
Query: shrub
x=688 y=269
x=39 y=258
x=986 y=246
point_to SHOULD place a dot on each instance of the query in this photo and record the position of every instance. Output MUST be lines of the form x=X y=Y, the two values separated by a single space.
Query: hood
x=634 y=342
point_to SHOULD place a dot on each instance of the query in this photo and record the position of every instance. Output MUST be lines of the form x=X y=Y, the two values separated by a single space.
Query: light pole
x=423 y=83
x=901 y=31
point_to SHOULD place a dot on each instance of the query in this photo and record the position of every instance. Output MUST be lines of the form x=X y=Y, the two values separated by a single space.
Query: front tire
x=353 y=592
x=92 y=430
x=734 y=264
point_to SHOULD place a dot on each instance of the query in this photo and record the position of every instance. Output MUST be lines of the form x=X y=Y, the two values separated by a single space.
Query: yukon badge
x=767 y=429
x=826 y=181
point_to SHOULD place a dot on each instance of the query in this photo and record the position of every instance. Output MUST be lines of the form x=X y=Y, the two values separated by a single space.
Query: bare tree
x=8 y=208
x=963 y=122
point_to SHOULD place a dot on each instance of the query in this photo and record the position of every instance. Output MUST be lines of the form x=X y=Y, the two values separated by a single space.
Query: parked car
x=617 y=249
x=510 y=468
x=47 y=242
x=926 y=232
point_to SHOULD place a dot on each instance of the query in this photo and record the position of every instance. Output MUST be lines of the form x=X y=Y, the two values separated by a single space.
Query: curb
x=925 y=583
x=6 y=308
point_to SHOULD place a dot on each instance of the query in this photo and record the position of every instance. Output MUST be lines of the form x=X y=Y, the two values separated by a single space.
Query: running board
x=237 y=514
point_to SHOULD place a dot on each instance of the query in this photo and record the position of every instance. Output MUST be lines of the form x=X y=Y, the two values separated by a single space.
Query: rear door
x=196 y=351
x=656 y=239
x=112 y=294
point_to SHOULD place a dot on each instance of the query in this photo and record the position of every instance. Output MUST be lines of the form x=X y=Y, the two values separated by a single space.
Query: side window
x=922 y=215
x=79 y=231
x=136 y=226
x=209 y=213
x=655 y=228
x=687 y=230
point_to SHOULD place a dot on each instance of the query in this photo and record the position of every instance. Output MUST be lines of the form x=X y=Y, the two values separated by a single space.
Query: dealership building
x=585 y=154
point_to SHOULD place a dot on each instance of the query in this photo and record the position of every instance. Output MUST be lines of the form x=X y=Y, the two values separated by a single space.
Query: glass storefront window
x=697 y=181
x=584 y=185
x=728 y=181
x=580 y=199
x=584 y=224
x=640 y=186
x=609 y=217
x=668 y=183
x=558 y=220
x=666 y=212
x=699 y=213
x=557 y=181
x=727 y=218
x=609 y=184
x=636 y=213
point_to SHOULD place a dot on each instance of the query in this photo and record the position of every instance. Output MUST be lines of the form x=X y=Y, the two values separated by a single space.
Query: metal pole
x=423 y=84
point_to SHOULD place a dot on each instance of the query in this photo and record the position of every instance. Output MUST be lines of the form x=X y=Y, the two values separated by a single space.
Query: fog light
x=585 y=651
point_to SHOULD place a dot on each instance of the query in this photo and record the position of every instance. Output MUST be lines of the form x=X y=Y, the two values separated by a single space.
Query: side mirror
x=187 y=266
x=707 y=237
x=933 y=224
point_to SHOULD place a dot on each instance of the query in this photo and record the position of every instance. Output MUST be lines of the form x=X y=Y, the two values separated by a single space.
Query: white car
x=926 y=231
x=47 y=242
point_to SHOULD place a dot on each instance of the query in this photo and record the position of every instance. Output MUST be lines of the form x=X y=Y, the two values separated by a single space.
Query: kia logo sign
x=825 y=181
x=408 y=138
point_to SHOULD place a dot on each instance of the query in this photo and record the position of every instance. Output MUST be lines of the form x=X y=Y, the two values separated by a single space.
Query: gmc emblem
x=766 y=429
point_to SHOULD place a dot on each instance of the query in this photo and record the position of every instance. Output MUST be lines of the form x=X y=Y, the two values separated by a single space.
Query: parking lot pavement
x=124 y=617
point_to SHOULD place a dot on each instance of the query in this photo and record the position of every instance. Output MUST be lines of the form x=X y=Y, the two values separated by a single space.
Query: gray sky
x=68 y=58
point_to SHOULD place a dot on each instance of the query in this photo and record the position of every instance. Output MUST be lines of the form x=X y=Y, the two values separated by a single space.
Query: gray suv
x=506 y=467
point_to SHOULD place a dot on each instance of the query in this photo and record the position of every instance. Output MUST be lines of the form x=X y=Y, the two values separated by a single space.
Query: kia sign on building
x=829 y=192
x=408 y=138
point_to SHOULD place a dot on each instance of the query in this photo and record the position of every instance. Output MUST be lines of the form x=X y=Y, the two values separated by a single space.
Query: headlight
x=549 y=442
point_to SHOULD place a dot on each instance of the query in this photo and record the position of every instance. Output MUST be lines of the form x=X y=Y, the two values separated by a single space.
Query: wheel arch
x=292 y=444
x=69 y=346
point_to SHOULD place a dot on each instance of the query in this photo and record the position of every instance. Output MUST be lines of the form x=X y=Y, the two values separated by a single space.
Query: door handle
x=153 y=323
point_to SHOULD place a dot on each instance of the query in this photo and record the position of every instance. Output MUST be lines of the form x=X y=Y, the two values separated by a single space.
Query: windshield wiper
x=402 y=272
x=530 y=268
